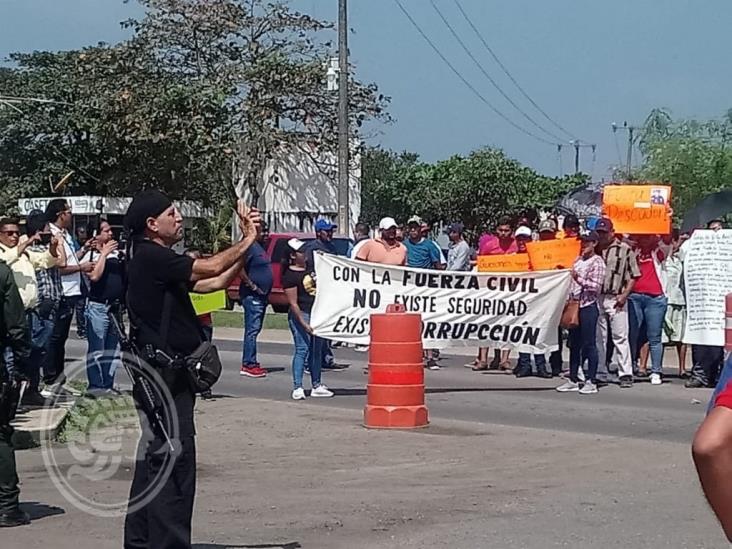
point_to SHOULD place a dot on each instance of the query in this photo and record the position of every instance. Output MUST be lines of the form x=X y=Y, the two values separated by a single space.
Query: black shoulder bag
x=203 y=365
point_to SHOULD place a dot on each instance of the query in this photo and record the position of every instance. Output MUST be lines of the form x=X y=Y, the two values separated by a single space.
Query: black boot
x=14 y=518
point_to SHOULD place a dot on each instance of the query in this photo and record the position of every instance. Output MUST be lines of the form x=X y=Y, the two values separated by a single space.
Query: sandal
x=480 y=367
x=684 y=375
x=506 y=367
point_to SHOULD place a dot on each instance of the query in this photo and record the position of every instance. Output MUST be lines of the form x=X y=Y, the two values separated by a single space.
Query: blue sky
x=586 y=63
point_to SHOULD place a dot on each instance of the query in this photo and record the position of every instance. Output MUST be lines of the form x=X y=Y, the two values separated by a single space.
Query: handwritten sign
x=504 y=263
x=547 y=255
x=205 y=303
x=707 y=257
x=638 y=209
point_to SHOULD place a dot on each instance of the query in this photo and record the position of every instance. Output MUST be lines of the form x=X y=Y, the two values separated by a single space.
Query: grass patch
x=89 y=415
x=234 y=319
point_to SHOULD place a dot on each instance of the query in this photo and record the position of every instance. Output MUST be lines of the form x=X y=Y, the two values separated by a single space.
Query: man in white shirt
x=58 y=213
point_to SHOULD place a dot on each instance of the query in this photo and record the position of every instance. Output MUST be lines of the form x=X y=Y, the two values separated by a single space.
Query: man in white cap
x=386 y=249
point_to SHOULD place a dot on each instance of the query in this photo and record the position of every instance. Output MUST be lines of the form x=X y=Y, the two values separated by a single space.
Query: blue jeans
x=582 y=343
x=254 y=308
x=524 y=363
x=651 y=311
x=309 y=350
x=103 y=353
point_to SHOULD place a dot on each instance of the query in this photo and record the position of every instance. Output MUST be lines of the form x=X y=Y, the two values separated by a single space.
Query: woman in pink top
x=588 y=274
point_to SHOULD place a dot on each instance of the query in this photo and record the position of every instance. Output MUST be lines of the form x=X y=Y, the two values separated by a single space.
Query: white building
x=297 y=188
x=85 y=210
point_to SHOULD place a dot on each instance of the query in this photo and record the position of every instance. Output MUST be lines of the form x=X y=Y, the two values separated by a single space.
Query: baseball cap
x=387 y=223
x=571 y=221
x=455 y=228
x=414 y=220
x=324 y=225
x=295 y=244
x=523 y=230
x=604 y=225
x=548 y=225
x=592 y=236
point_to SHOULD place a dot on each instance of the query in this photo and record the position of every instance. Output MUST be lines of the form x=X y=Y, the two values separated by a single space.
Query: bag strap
x=165 y=317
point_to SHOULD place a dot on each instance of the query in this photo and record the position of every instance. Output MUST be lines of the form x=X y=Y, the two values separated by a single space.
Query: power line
x=464 y=81
x=488 y=76
x=508 y=73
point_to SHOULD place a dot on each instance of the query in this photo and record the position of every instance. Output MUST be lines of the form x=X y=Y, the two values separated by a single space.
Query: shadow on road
x=288 y=545
x=38 y=511
x=438 y=390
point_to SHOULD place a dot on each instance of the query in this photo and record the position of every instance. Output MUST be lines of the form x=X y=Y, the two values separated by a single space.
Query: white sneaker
x=321 y=391
x=656 y=379
x=568 y=387
x=298 y=394
x=588 y=388
x=581 y=374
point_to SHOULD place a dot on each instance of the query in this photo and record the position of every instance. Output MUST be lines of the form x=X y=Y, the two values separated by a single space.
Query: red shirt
x=648 y=283
x=491 y=245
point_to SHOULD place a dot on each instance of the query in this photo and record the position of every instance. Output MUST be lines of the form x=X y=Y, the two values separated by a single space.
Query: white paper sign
x=499 y=310
x=707 y=257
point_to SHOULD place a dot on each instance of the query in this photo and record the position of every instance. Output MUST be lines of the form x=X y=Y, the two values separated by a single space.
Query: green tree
x=387 y=180
x=201 y=86
x=476 y=190
x=693 y=156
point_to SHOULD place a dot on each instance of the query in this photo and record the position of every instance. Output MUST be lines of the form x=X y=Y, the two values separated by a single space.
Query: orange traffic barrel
x=395 y=390
x=728 y=323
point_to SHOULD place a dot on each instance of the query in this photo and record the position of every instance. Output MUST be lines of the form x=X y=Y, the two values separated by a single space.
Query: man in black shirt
x=160 y=279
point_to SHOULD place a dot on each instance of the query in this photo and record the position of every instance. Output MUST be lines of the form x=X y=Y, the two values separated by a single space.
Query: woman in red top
x=648 y=304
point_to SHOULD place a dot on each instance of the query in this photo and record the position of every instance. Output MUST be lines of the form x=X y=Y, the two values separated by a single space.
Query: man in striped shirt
x=620 y=276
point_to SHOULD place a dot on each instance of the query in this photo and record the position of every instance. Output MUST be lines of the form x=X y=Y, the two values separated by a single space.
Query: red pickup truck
x=277 y=250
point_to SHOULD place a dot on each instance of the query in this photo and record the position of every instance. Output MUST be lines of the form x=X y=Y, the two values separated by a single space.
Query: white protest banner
x=500 y=310
x=707 y=257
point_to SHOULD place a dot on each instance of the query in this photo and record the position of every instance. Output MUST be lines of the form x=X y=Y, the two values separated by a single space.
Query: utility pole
x=577 y=144
x=343 y=145
x=631 y=130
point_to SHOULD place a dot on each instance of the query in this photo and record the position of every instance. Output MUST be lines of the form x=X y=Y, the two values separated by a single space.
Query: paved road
x=666 y=413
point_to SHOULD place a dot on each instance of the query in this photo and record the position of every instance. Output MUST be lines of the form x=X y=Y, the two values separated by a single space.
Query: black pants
x=80 y=314
x=555 y=359
x=53 y=366
x=165 y=521
x=707 y=363
x=9 y=490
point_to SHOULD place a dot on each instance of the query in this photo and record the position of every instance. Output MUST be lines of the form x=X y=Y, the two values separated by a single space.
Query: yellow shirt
x=24 y=269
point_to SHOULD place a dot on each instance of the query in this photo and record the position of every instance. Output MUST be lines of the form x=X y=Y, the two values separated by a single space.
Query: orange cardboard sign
x=503 y=263
x=638 y=209
x=547 y=255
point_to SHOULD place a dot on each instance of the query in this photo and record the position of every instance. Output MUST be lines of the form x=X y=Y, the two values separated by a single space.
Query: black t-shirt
x=111 y=284
x=305 y=288
x=154 y=270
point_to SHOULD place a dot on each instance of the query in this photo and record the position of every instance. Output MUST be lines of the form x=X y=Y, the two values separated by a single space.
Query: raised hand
x=109 y=247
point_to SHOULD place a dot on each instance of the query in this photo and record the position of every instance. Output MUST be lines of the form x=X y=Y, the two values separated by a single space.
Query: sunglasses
x=11 y=233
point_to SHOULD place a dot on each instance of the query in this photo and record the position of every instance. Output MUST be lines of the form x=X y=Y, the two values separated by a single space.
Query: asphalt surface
x=668 y=412
x=505 y=463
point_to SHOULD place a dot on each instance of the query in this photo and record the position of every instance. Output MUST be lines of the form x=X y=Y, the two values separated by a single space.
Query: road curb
x=40 y=424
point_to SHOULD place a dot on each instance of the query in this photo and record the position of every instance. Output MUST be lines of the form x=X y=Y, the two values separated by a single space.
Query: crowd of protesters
x=629 y=289
x=629 y=292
